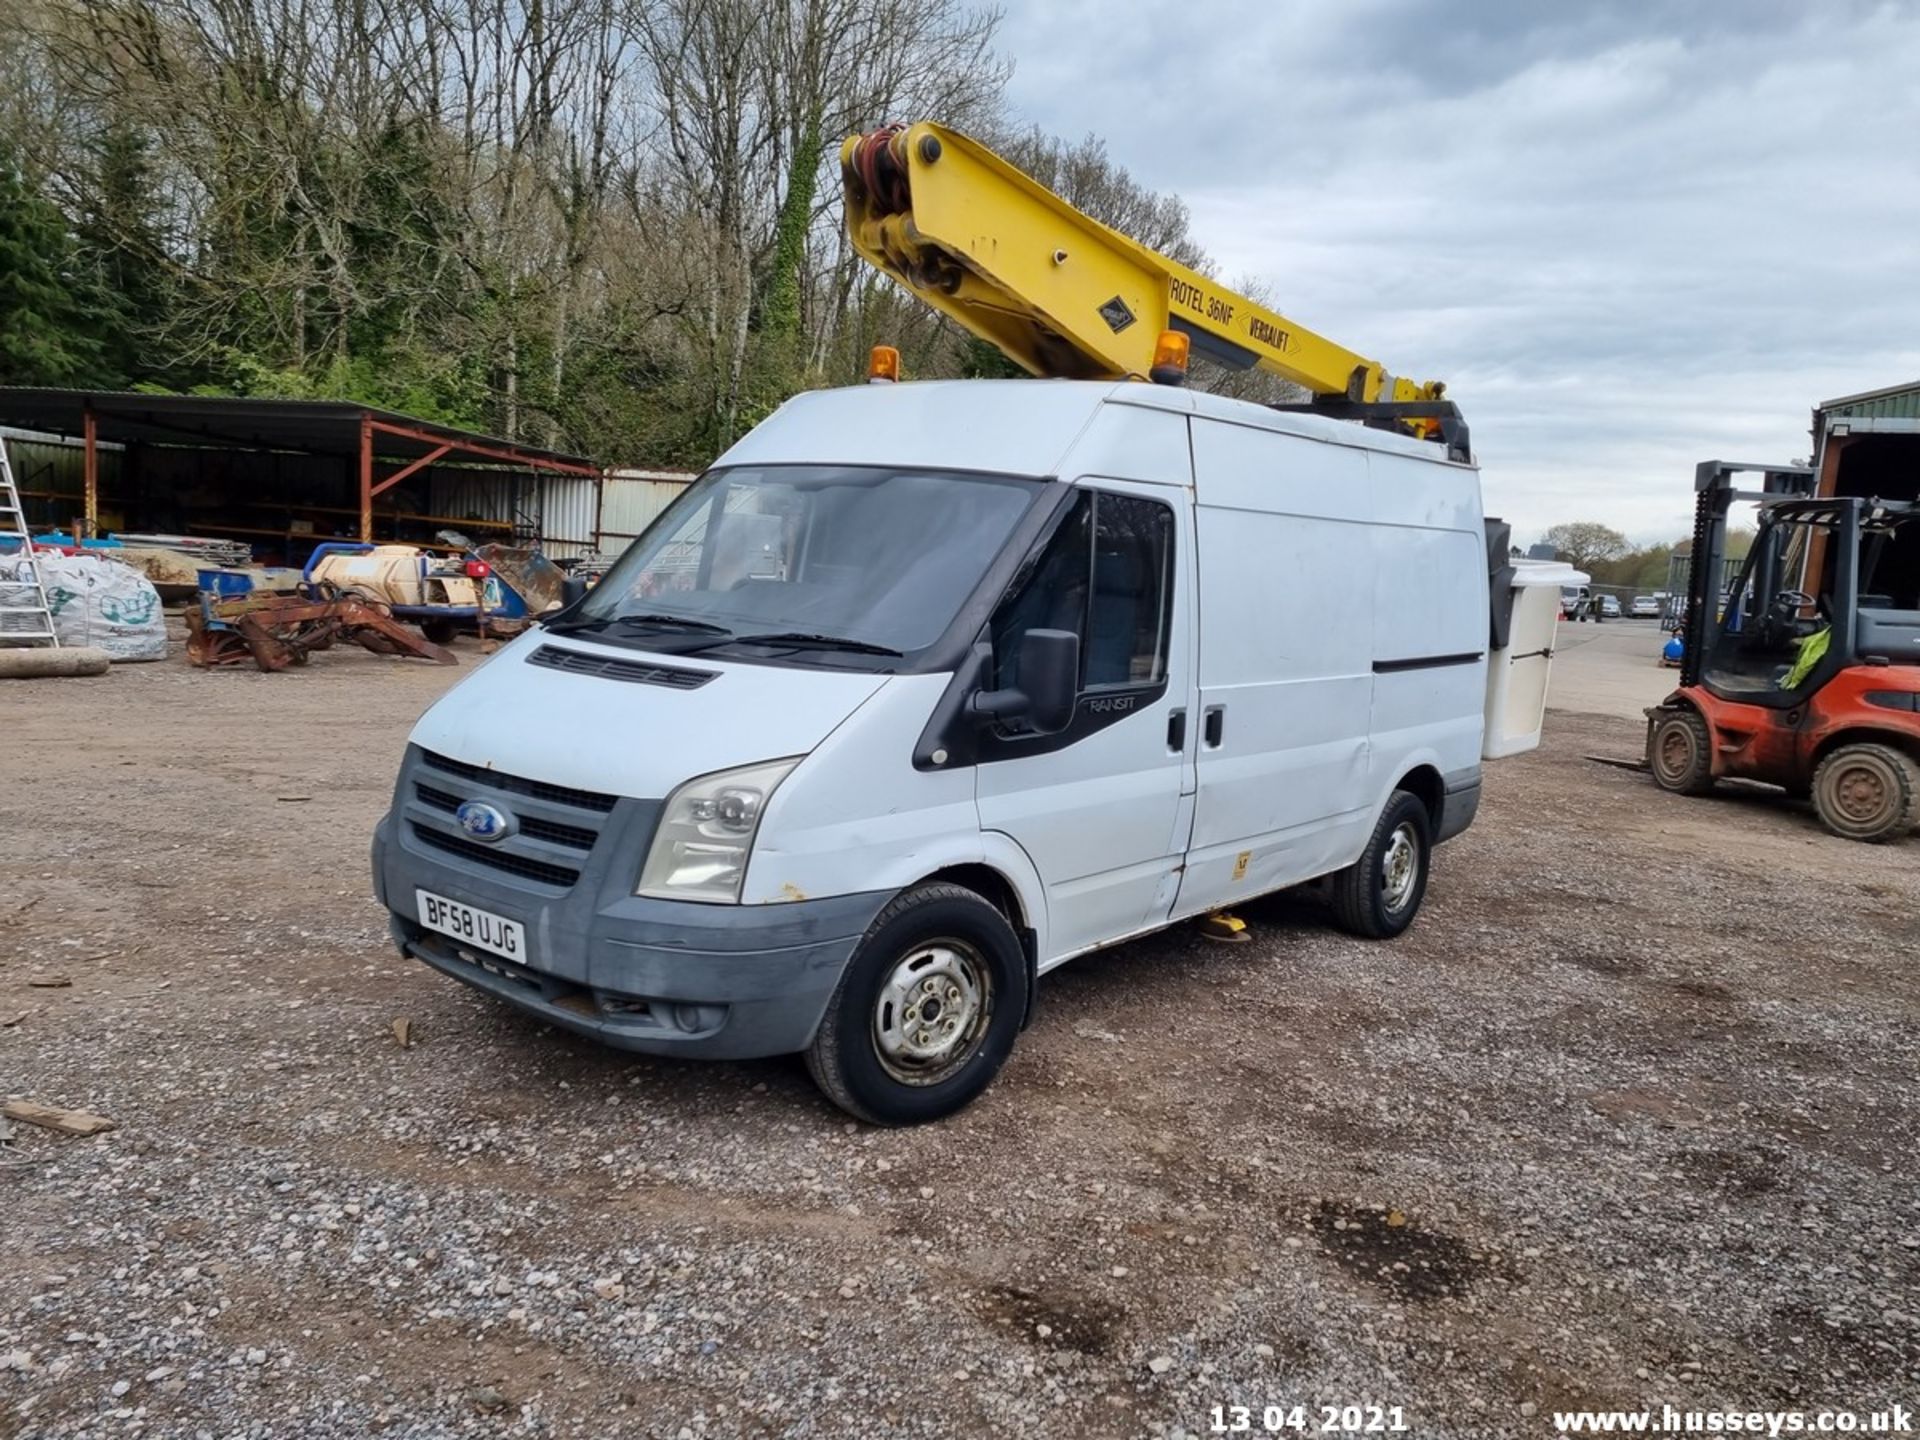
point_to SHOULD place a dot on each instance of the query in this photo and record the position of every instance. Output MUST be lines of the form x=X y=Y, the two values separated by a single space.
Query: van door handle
x=1214 y=725
x=1177 y=730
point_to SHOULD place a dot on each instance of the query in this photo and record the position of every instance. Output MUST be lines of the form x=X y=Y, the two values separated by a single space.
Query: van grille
x=560 y=876
x=555 y=827
x=574 y=837
x=538 y=789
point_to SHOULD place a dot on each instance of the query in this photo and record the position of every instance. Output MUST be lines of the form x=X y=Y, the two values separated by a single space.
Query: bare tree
x=1586 y=543
x=573 y=219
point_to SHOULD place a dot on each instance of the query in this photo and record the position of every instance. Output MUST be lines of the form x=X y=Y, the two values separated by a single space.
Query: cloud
x=1628 y=236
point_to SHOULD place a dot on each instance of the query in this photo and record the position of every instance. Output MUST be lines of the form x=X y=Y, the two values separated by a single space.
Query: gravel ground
x=1628 y=1117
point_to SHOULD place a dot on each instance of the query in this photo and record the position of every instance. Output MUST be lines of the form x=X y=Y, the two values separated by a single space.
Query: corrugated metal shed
x=50 y=471
x=569 y=506
x=284 y=474
x=629 y=501
x=496 y=496
x=558 y=510
x=312 y=427
x=1896 y=402
x=1868 y=444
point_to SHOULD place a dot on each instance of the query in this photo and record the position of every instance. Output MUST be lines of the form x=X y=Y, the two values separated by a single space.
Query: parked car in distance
x=1644 y=607
x=1609 y=607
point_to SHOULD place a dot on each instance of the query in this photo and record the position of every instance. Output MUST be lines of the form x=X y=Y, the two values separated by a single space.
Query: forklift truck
x=1805 y=672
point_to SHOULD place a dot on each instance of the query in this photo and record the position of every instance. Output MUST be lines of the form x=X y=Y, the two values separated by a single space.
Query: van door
x=1285 y=567
x=1104 y=808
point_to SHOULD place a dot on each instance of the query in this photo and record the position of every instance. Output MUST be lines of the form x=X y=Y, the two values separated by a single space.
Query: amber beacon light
x=883 y=365
x=1170 y=353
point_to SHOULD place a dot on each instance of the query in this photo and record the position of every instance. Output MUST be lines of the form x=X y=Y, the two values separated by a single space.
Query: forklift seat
x=1890 y=635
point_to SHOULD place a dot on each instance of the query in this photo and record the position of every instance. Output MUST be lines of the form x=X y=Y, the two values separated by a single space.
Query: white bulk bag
x=95 y=601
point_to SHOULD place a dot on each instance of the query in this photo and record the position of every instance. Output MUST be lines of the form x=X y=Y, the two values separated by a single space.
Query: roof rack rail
x=1394 y=415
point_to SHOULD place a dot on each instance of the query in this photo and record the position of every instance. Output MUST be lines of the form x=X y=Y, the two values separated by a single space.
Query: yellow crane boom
x=1061 y=294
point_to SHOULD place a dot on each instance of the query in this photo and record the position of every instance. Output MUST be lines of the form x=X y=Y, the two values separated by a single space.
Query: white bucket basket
x=1517 y=675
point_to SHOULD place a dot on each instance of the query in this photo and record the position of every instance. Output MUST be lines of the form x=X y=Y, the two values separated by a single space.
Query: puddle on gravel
x=1074 y=1322
x=1384 y=1248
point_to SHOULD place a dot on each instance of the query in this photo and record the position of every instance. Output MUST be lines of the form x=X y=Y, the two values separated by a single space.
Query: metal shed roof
x=1898 y=402
x=312 y=427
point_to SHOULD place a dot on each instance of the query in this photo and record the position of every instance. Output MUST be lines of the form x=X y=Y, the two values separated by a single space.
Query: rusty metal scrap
x=276 y=631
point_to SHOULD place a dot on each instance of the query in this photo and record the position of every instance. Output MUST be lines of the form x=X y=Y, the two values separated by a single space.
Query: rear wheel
x=1868 y=792
x=1378 y=895
x=927 y=1011
x=1680 y=753
x=438 y=630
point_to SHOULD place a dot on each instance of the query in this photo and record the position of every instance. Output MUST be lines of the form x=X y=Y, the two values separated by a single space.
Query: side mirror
x=1049 y=691
x=573 y=590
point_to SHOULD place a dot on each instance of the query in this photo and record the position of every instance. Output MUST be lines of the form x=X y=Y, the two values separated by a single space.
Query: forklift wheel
x=1680 y=753
x=439 y=630
x=1868 y=792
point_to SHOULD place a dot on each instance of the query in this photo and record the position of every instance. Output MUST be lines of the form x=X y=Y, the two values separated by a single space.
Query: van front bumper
x=665 y=977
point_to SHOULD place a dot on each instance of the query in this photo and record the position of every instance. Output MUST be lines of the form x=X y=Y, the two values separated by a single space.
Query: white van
x=926 y=689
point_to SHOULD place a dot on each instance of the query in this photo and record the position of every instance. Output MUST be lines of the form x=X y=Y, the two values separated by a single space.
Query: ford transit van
x=923 y=690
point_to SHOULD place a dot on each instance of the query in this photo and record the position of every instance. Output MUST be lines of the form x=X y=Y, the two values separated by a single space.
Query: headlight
x=706 y=832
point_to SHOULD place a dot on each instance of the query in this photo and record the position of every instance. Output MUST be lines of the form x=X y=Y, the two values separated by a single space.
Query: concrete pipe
x=34 y=664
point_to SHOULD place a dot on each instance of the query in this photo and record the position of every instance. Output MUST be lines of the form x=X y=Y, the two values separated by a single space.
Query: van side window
x=1106 y=575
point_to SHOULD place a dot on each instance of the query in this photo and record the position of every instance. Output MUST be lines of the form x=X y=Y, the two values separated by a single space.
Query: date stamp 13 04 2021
x=1363 y=1419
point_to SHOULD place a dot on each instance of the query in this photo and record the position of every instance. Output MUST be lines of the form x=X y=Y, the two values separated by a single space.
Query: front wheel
x=1378 y=895
x=1680 y=753
x=927 y=1011
x=1868 y=792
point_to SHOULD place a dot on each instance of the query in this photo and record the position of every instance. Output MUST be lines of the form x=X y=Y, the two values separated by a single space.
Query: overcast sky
x=1629 y=236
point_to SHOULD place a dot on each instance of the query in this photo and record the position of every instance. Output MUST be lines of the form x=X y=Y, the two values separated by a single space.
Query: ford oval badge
x=483 y=822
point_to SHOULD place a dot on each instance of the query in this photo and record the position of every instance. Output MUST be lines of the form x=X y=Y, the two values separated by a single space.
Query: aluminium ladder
x=13 y=526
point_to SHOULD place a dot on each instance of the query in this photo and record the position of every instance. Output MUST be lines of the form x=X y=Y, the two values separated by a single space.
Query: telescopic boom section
x=1061 y=294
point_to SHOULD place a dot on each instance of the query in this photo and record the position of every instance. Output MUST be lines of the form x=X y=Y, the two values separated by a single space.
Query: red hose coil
x=882 y=170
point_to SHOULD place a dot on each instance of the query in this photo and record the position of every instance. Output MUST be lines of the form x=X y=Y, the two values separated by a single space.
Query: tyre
x=927 y=1011
x=1868 y=792
x=1680 y=753
x=438 y=631
x=1378 y=895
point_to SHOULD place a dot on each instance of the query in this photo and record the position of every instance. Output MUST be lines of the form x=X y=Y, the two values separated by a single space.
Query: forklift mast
x=1715 y=494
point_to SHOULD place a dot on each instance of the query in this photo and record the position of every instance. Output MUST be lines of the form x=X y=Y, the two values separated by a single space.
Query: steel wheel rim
x=932 y=1011
x=1861 y=793
x=1400 y=866
x=1676 y=752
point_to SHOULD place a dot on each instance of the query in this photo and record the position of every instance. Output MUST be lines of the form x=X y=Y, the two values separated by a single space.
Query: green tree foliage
x=51 y=315
x=780 y=315
x=1636 y=569
x=122 y=249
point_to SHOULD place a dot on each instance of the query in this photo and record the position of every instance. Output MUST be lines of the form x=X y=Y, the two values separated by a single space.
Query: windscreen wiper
x=812 y=642
x=645 y=621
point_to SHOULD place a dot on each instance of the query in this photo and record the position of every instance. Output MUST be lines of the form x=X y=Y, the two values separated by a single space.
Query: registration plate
x=479 y=928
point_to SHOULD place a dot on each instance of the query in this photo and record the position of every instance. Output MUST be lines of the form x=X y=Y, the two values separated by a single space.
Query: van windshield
x=847 y=559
